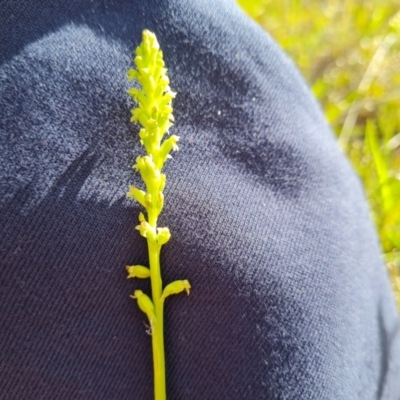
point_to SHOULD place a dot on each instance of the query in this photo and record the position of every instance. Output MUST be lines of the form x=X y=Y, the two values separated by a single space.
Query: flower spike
x=153 y=112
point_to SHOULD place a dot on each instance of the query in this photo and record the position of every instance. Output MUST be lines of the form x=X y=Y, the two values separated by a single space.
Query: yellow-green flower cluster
x=154 y=111
x=154 y=114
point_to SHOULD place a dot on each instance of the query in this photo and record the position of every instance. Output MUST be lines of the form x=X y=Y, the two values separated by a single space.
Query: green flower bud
x=143 y=134
x=160 y=202
x=141 y=217
x=145 y=304
x=167 y=146
x=162 y=181
x=148 y=201
x=147 y=231
x=176 y=287
x=139 y=63
x=132 y=74
x=137 y=194
x=137 y=271
x=163 y=235
x=148 y=170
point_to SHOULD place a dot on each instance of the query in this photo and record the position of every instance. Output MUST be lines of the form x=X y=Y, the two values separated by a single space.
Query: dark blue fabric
x=290 y=297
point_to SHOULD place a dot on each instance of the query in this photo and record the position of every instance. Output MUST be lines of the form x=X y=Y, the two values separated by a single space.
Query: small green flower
x=176 y=288
x=137 y=271
x=145 y=304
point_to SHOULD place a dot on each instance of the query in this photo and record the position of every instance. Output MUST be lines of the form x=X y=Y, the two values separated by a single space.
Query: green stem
x=158 y=325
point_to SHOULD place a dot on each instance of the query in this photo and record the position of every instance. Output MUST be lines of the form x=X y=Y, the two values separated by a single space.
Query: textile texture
x=290 y=298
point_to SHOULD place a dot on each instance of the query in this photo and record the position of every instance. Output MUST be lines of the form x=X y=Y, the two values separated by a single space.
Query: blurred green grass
x=349 y=52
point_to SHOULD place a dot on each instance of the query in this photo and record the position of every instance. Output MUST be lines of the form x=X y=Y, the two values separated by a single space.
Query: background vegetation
x=349 y=51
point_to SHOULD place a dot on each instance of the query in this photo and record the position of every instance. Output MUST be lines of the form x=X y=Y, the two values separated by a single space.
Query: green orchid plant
x=154 y=114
